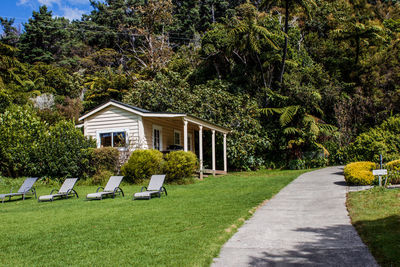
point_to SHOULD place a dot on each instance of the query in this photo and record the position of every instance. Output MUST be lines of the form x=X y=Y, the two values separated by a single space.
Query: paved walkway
x=305 y=224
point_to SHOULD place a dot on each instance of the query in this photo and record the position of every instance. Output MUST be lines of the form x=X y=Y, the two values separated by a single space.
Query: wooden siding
x=168 y=126
x=114 y=118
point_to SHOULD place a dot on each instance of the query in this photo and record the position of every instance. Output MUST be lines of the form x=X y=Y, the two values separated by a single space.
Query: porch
x=179 y=133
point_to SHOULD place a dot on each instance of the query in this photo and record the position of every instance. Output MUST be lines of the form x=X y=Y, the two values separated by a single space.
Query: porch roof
x=147 y=113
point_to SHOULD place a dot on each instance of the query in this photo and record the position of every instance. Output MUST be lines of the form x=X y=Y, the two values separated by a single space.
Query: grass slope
x=187 y=228
x=376 y=215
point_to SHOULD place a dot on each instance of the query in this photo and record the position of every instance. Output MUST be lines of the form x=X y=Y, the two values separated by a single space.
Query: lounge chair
x=66 y=190
x=25 y=189
x=155 y=188
x=111 y=189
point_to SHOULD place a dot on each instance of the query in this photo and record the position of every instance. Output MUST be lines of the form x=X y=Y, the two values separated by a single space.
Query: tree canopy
x=294 y=80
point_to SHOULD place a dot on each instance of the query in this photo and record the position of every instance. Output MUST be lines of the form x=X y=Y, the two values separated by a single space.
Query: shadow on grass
x=331 y=246
x=16 y=199
x=383 y=238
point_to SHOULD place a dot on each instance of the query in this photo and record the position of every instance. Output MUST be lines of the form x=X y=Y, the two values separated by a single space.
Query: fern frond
x=288 y=114
x=291 y=131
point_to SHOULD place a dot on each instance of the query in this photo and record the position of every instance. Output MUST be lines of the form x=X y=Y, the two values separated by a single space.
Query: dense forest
x=297 y=81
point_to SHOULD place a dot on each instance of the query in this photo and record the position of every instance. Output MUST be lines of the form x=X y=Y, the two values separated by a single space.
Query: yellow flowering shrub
x=359 y=173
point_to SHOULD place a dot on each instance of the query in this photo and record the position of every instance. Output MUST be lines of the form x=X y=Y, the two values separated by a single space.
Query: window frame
x=190 y=141
x=180 y=137
x=112 y=131
x=159 y=128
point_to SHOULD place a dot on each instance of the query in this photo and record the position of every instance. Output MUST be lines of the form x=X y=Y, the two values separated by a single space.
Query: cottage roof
x=146 y=113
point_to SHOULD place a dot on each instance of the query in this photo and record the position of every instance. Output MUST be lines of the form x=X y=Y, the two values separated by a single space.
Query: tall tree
x=249 y=35
x=289 y=5
x=360 y=34
x=10 y=35
x=45 y=37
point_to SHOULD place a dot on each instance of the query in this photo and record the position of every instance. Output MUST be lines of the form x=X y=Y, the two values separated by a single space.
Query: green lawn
x=376 y=215
x=186 y=228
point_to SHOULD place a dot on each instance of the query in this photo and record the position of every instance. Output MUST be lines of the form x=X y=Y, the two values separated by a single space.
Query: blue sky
x=21 y=10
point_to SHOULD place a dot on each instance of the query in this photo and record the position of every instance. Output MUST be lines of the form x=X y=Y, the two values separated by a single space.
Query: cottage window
x=190 y=138
x=157 y=137
x=177 y=137
x=113 y=139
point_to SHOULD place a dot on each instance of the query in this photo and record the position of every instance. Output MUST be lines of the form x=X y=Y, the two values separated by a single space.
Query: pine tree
x=44 y=38
x=10 y=34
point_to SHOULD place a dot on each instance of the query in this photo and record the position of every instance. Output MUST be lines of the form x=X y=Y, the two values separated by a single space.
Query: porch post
x=185 y=135
x=225 y=158
x=213 y=151
x=201 y=150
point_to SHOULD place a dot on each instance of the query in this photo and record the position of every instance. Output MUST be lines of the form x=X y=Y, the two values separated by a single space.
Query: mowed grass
x=376 y=215
x=186 y=228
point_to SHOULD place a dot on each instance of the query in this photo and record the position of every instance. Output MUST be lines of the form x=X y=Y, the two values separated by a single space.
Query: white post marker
x=379 y=173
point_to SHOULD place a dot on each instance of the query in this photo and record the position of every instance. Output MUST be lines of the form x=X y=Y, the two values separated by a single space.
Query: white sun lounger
x=155 y=188
x=26 y=188
x=112 y=188
x=65 y=191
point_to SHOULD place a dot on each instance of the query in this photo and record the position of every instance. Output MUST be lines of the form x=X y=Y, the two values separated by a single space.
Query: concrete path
x=305 y=224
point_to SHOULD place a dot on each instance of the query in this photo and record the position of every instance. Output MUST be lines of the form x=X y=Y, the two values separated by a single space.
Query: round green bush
x=104 y=158
x=142 y=164
x=359 y=173
x=393 y=165
x=393 y=168
x=383 y=139
x=179 y=165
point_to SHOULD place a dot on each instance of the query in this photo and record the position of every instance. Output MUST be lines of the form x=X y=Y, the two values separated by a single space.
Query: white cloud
x=49 y=2
x=78 y=2
x=23 y=2
x=71 y=13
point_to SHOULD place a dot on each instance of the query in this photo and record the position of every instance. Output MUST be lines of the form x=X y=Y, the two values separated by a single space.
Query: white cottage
x=128 y=128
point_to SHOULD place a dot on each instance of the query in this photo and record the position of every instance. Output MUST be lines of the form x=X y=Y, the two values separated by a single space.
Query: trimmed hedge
x=393 y=168
x=179 y=165
x=393 y=165
x=359 y=173
x=142 y=164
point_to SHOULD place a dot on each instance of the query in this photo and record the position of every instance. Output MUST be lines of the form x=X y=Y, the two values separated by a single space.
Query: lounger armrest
x=73 y=192
x=119 y=188
x=163 y=189
x=33 y=189
x=100 y=187
x=141 y=190
x=76 y=193
x=54 y=190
